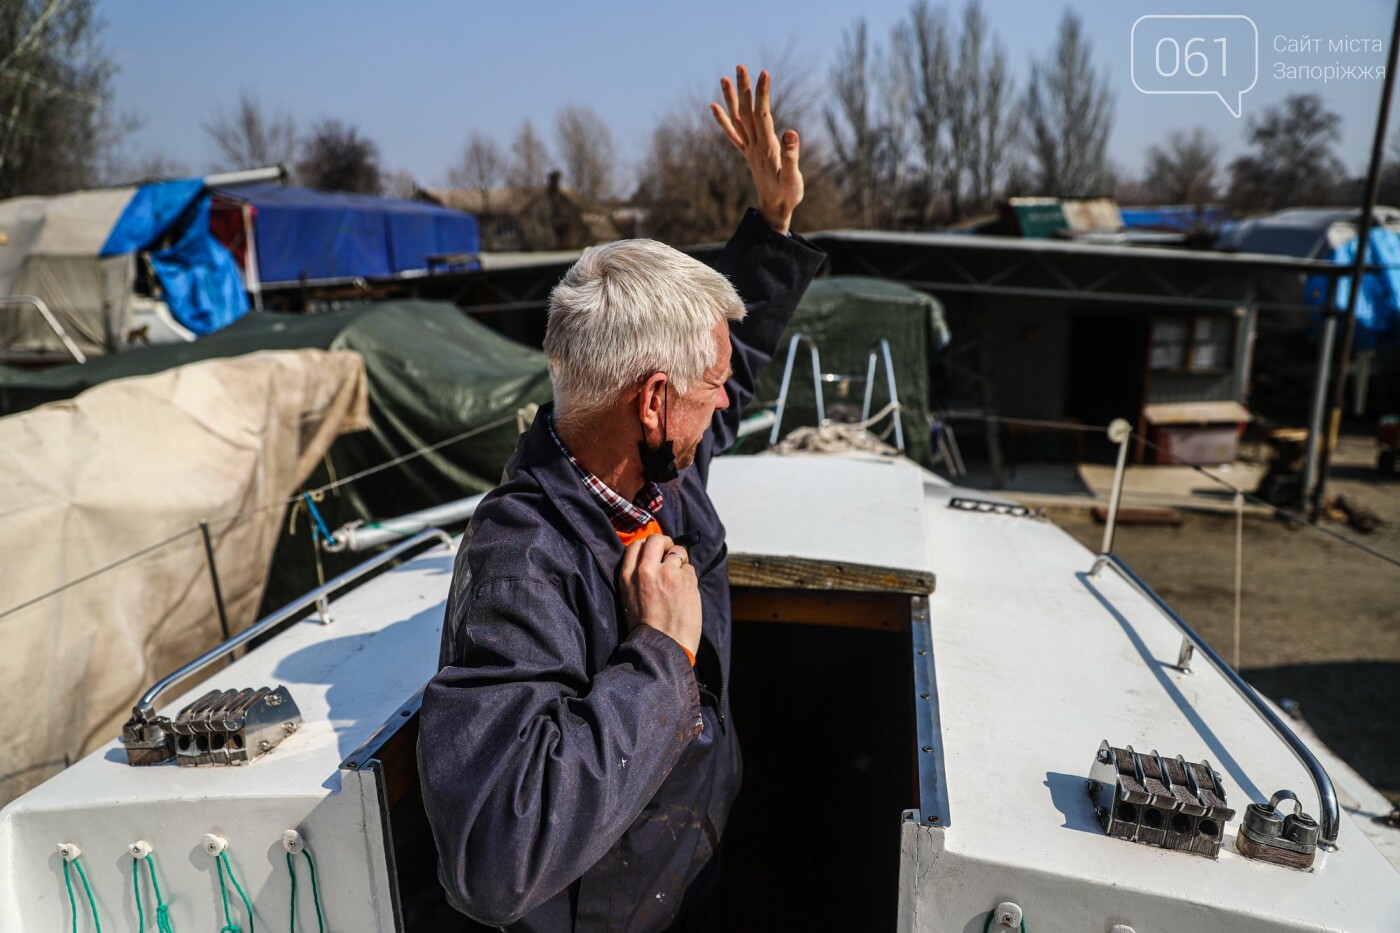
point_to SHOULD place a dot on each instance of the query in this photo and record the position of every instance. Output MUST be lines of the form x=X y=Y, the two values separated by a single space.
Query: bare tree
x=481 y=168
x=1294 y=161
x=925 y=38
x=152 y=166
x=851 y=124
x=982 y=118
x=529 y=159
x=55 y=94
x=585 y=146
x=1068 y=116
x=898 y=140
x=400 y=183
x=249 y=137
x=335 y=157
x=1185 y=170
x=693 y=186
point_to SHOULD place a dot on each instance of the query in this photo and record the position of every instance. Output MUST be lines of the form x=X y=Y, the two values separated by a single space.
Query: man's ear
x=651 y=406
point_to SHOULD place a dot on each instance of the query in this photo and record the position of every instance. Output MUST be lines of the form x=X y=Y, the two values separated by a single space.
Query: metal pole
x=214 y=579
x=1120 y=431
x=1363 y=242
x=49 y=319
x=1319 y=402
x=145 y=707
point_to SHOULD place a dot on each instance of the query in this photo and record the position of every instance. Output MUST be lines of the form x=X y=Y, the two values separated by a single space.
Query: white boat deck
x=1034 y=664
x=347 y=678
x=1029 y=664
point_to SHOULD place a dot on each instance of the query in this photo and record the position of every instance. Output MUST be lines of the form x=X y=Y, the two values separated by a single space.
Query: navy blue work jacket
x=576 y=776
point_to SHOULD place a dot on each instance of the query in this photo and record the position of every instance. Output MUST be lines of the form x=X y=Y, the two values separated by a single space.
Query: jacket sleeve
x=771 y=272
x=530 y=770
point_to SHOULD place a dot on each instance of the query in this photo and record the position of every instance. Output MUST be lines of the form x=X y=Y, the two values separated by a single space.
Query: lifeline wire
x=221 y=862
x=72 y=902
x=335 y=484
x=369 y=471
x=1278 y=511
x=100 y=570
x=315 y=894
x=1239 y=569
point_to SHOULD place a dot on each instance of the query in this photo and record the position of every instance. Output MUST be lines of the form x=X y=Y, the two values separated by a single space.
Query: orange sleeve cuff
x=688 y=655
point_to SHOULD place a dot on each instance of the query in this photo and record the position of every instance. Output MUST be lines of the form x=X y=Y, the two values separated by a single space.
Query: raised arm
x=769 y=267
x=748 y=122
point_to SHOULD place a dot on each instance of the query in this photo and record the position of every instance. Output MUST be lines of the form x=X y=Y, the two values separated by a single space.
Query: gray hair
x=626 y=310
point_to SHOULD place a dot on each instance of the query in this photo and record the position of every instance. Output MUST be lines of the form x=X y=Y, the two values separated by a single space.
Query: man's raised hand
x=659 y=588
x=748 y=122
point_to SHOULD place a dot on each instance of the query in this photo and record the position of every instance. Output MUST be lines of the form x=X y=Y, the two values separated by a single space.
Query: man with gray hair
x=577 y=756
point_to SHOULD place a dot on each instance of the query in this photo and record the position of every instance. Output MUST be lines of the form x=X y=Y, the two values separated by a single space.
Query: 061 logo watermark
x=1186 y=54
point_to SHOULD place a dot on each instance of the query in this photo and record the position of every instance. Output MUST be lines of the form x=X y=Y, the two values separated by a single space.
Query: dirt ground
x=1320 y=620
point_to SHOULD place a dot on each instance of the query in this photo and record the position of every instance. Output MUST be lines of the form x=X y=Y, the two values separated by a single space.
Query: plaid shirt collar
x=625 y=516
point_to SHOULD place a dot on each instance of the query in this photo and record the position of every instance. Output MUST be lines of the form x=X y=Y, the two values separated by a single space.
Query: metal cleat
x=233 y=727
x=148 y=742
x=1157 y=801
x=1283 y=840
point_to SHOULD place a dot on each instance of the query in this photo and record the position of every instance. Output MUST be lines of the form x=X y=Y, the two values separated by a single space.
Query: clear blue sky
x=417 y=77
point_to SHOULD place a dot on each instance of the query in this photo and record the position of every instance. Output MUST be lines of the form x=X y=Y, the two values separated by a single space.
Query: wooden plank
x=805 y=573
x=1146 y=515
x=879 y=611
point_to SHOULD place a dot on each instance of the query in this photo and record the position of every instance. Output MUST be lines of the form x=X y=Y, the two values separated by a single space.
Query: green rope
x=162 y=911
x=136 y=893
x=72 y=902
x=221 y=862
x=315 y=893
x=292 y=872
x=163 y=923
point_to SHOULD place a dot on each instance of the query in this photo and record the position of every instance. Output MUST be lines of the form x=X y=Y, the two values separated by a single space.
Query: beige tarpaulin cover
x=121 y=467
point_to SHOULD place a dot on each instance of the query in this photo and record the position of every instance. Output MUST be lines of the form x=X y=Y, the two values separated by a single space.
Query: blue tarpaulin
x=149 y=213
x=1378 y=305
x=315 y=235
x=1175 y=217
x=201 y=280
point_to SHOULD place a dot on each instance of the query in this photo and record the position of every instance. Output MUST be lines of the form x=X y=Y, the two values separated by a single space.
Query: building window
x=1192 y=344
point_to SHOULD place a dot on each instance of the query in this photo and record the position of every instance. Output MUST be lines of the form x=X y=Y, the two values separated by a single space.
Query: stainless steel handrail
x=145 y=707
x=787 y=380
x=880 y=348
x=1331 y=819
x=357 y=536
x=48 y=316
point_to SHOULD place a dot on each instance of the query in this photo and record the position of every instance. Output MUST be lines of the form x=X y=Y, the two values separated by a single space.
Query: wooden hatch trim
x=882 y=612
x=805 y=573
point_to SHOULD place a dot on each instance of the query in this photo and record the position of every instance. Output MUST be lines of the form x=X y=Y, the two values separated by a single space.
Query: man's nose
x=723 y=401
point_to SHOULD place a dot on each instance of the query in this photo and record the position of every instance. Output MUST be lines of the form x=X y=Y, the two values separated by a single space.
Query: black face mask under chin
x=659 y=463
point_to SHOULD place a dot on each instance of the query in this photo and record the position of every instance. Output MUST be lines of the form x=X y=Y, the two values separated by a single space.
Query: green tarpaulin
x=433 y=374
x=845 y=316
